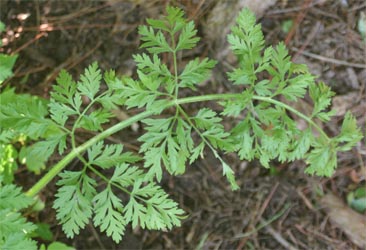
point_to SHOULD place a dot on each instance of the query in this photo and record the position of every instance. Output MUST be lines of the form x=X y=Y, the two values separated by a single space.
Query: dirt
x=278 y=208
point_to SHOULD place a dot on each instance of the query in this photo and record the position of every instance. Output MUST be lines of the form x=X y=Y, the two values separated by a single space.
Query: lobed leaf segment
x=263 y=125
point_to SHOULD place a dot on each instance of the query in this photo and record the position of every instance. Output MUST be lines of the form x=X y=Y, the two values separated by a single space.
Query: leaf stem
x=212 y=97
x=119 y=126
x=299 y=114
x=81 y=115
x=33 y=191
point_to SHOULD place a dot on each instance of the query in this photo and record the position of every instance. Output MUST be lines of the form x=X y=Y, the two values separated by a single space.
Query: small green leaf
x=109 y=155
x=43 y=231
x=154 y=42
x=6 y=65
x=108 y=214
x=90 y=81
x=74 y=201
x=95 y=119
x=13 y=198
x=229 y=173
x=187 y=38
x=126 y=175
x=195 y=72
x=59 y=246
x=350 y=134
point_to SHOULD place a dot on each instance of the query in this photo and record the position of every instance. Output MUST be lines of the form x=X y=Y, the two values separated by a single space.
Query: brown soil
x=276 y=209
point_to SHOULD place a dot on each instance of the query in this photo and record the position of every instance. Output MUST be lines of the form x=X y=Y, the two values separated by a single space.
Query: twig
x=278 y=237
x=300 y=17
x=314 y=31
x=266 y=223
x=96 y=236
x=331 y=60
x=266 y=202
x=261 y=210
x=293 y=9
x=305 y=199
x=37 y=37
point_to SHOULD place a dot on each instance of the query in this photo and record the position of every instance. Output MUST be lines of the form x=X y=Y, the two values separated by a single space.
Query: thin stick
x=266 y=202
x=330 y=60
x=37 y=37
x=278 y=237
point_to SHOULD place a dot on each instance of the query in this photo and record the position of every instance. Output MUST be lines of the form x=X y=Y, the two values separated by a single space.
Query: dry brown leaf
x=342 y=103
x=350 y=222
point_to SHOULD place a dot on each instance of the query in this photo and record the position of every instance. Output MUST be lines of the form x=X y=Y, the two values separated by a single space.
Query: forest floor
x=276 y=208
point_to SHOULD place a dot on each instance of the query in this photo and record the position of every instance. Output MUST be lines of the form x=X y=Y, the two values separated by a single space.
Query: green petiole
x=56 y=169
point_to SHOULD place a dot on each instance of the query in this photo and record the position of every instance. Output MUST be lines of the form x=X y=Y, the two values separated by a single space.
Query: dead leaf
x=349 y=221
x=343 y=103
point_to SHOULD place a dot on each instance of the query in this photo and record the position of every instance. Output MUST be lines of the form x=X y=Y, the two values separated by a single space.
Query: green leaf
x=136 y=94
x=297 y=87
x=302 y=145
x=196 y=152
x=2 y=27
x=135 y=213
x=73 y=202
x=176 y=159
x=16 y=241
x=158 y=24
x=60 y=112
x=154 y=42
x=246 y=38
x=184 y=138
x=158 y=106
x=246 y=140
x=152 y=66
x=6 y=65
x=187 y=39
x=281 y=62
x=108 y=214
x=157 y=71
x=229 y=173
x=89 y=83
x=126 y=175
x=218 y=138
x=235 y=107
x=59 y=246
x=321 y=95
x=206 y=118
x=195 y=72
x=8 y=163
x=95 y=119
x=25 y=114
x=13 y=198
x=109 y=155
x=65 y=90
x=149 y=82
x=175 y=19
x=322 y=160
x=43 y=231
x=36 y=155
x=160 y=213
x=13 y=224
x=241 y=76
x=263 y=88
x=350 y=134
x=153 y=158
